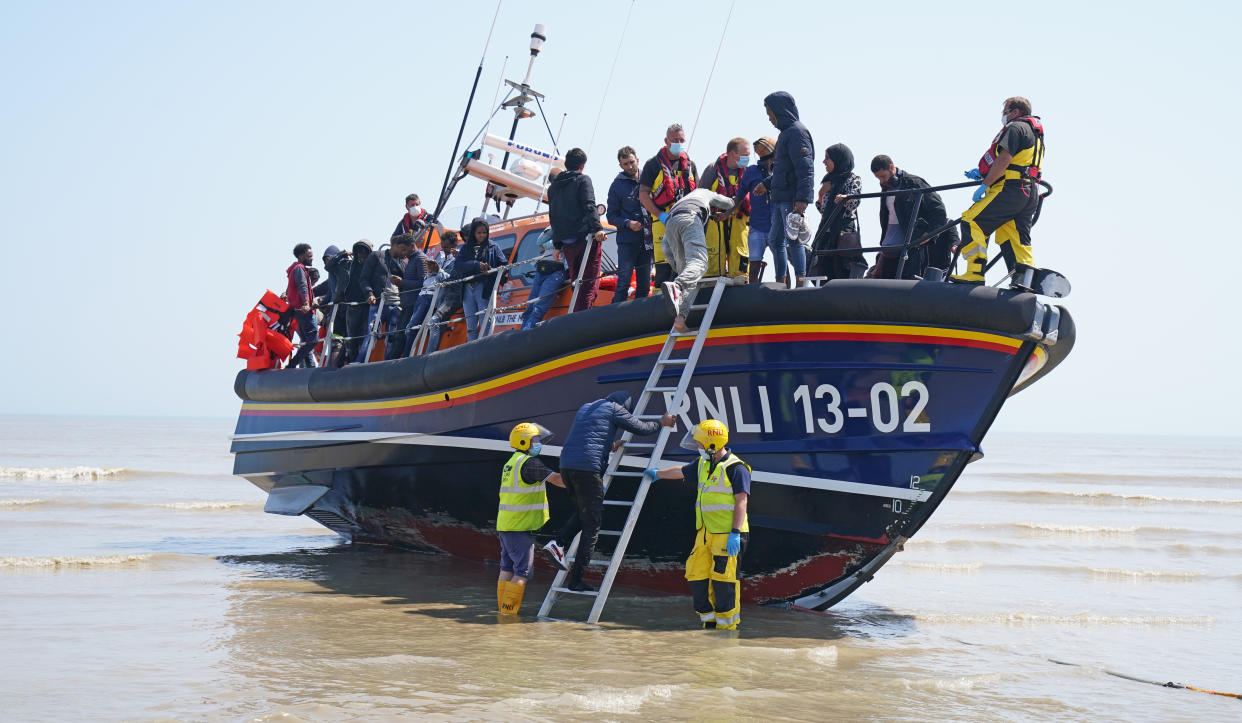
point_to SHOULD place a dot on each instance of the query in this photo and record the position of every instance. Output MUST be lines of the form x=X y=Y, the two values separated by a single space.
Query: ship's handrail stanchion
x=373 y=332
x=652 y=387
x=327 y=337
x=577 y=282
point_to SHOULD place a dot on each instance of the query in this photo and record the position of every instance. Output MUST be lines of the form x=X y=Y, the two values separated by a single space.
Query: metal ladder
x=653 y=386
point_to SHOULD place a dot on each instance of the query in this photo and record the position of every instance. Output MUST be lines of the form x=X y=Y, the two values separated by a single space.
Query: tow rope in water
x=1115 y=674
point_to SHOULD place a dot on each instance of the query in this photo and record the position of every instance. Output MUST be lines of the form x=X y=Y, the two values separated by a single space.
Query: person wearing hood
x=382 y=273
x=576 y=229
x=666 y=177
x=727 y=252
x=895 y=221
x=760 y=220
x=792 y=183
x=478 y=255
x=356 y=298
x=584 y=459
x=838 y=222
x=634 y=240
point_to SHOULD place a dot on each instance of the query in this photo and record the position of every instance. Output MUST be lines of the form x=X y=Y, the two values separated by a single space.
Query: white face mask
x=412 y=210
x=1004 y=119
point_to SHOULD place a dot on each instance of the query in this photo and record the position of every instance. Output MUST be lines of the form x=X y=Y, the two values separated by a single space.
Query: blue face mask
x=743 y=161
x=536 y=448
x=676 y=149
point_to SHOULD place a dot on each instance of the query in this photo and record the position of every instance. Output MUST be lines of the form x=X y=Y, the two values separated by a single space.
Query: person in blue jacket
x=760 y=219
x=792 y=183
x=584 y=459
x=633 y=237
x=478 y=255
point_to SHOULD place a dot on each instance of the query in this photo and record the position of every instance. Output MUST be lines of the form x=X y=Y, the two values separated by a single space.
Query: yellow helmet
x=710 y=434
x=521 y=436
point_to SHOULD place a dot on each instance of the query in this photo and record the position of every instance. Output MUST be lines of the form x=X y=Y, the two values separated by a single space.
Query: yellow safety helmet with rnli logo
x=521 y=436
x=710 y=434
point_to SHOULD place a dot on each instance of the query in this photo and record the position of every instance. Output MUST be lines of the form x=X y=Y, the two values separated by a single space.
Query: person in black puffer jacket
x=584 y=459
x=575 y=225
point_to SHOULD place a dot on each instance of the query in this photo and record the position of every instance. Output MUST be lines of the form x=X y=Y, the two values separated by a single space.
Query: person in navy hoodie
x=792 y=183
x=478 y=255
x=634 y=247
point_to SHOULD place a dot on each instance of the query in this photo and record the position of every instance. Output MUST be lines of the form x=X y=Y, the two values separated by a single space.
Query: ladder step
x=639 y=444
x=698 y=307
x=620 y=503
x=567 y=591
x=610 y=532
x=649 y=416
x=661 y=389
x=626 y=473
x=673 y=361
x=597 y=561
x=680 y=334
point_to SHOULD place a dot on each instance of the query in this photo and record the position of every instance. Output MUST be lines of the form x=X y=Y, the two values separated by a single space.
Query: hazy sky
x=160 y=160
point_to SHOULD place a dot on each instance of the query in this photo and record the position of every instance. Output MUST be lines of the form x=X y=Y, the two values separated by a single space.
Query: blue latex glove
x=651 y=472
x=974 y=174
x=734 y=545
x=980 y=192
x=663 y=217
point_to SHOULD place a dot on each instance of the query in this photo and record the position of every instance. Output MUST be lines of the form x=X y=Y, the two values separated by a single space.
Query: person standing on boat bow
x=1008 y=194
x=576 y=229
x=727 y=252
x=584 y=459
x=666 y=178
x=685 y=245
x=634 y=241
x=792 y=183
x=301 y=300
x=721 y=526
x=523 y=510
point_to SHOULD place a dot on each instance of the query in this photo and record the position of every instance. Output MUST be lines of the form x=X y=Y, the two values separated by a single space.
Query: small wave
x=1162 y=575
x=1095 y=497
x=207 y=505
x=1132 y=479
x=1088 y=530
x=941 y=567
x=955 y=685
x=618 y=701
x=21 y=503
x=68 y=561
x=1083 y=619
x=61 y=474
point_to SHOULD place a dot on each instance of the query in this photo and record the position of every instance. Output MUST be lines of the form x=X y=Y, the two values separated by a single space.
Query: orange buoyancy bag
x=259 y=343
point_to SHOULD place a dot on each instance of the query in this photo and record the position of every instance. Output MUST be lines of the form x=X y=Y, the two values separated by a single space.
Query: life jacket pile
x=261 y=343
x=1027 y=172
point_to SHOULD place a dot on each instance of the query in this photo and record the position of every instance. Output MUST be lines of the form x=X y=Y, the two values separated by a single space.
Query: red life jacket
x=292 y=293
x=671 y=185
x=724 y=187
x=1030 y=172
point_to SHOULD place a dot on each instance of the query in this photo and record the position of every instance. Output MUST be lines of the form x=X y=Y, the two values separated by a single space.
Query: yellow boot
x=511 y=600
x=501 y=585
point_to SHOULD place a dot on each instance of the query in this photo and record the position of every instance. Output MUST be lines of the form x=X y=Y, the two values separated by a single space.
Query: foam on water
x=1094 y=497
x=1078 y=620
x=71 y=562
x=62 y=474
x=22 y=503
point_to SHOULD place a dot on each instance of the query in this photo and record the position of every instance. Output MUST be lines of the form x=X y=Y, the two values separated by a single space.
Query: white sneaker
x=672 y=296
x=556 y=554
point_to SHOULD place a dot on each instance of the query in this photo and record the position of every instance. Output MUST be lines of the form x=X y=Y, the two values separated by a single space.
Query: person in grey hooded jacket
x=584 y=459
x=792 y=183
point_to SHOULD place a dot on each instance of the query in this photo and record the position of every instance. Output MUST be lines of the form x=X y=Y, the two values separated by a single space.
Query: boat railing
x=487 y=314
x=910 y=242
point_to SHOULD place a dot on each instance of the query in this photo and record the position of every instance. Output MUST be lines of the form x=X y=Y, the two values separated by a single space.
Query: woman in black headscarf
x=838 y=223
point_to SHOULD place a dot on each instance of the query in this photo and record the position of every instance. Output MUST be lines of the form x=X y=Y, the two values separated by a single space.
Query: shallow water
x=141 y=581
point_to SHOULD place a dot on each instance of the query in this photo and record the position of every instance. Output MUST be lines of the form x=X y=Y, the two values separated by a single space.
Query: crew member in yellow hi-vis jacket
x=523 y=510
x=1006 y=200
x=720 y=520
x=727 y=249
x=666 y=177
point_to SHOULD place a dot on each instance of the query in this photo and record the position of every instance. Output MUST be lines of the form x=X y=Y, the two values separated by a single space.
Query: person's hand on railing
x=371 y=299
x=600 y=236
x=483 y=267
x=841 y=198
x=974 y=174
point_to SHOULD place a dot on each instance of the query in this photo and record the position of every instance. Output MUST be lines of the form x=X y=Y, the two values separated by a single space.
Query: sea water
x=140 y=581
